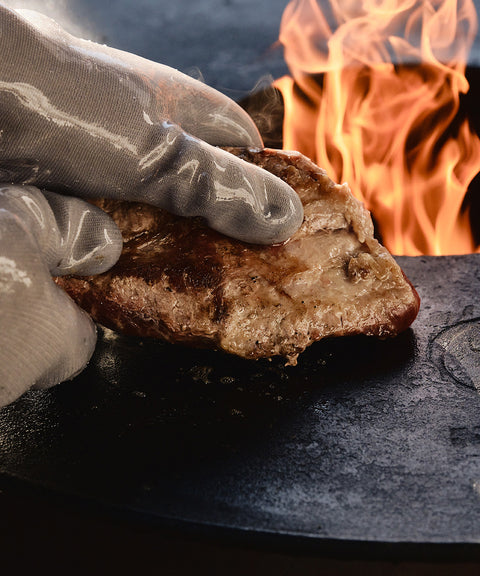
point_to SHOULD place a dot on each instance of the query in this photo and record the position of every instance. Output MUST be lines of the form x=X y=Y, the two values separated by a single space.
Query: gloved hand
x=44 y=337
x=89 y=121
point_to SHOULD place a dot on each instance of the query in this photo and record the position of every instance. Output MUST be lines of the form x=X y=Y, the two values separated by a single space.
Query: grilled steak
x=181 y=281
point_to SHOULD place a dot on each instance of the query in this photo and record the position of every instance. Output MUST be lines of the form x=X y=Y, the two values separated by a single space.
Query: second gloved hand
x=44 y=337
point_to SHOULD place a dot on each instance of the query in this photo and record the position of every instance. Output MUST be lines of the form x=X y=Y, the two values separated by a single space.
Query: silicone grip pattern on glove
x=92 y=121
x=44 y=337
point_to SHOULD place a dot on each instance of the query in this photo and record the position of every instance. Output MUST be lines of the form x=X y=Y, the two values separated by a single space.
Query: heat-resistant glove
x=44 y=337
x=86 y=121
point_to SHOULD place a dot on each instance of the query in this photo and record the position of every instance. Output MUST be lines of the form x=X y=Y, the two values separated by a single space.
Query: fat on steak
x=182 y=282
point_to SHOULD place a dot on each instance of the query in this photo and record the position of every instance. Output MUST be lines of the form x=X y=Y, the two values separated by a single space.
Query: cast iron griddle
x=364 y=441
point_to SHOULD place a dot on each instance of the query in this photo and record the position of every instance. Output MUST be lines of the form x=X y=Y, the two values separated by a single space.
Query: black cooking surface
x=364 y=441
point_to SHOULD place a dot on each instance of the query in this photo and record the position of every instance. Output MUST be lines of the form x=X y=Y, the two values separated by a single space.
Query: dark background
x=228 y=43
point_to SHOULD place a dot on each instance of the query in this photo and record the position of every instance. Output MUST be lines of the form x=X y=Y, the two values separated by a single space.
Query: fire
x=373 y=98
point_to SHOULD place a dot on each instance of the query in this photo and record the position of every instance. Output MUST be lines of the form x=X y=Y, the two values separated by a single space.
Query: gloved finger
x=234 y=197
x=44 y=337
x=73 y=236
x=165 y=167
x=149 y=89
x=90 y=241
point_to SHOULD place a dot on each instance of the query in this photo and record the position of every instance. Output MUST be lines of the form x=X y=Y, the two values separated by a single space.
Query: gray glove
x=44 y=337
x=89 y=121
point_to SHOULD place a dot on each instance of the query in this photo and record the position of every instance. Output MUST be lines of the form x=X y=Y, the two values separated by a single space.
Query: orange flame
x=374 y=91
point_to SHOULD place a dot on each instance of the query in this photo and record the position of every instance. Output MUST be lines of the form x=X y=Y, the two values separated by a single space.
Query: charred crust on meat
x=182 y=282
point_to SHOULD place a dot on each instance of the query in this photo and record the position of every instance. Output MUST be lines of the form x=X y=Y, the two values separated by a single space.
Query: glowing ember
x=374 y=89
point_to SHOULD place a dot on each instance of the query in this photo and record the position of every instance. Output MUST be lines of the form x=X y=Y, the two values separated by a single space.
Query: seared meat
x=180 y=281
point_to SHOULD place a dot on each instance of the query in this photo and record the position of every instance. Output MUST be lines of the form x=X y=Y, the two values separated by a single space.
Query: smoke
x=264 y=104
